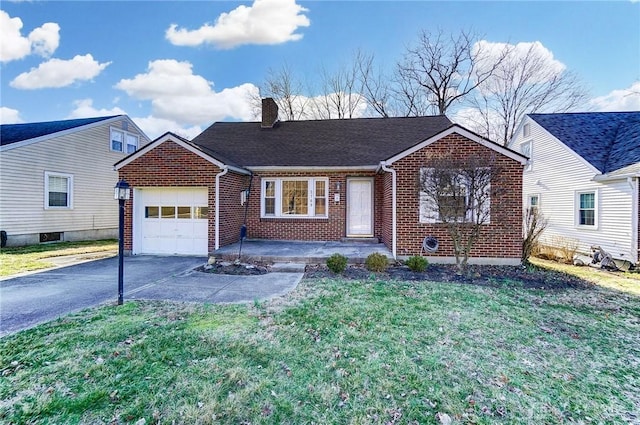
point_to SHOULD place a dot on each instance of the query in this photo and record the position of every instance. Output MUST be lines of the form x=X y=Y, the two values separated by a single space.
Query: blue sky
x=180 y=66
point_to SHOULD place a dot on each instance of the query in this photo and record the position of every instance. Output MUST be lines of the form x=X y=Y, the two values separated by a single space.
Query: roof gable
x=469 y=135
x=14 y=133
x=184 y=143
x=317 y=143
x=607 y=140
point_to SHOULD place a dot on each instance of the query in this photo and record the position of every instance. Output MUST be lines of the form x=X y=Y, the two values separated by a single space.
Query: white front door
x=171 y=221
x=360 y=207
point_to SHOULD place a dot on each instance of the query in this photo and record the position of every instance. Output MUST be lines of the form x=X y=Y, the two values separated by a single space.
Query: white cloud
x=156 y=127
x=59 y=73
x=264 y=22
x=534 y=54
x=84 y=109
x=178 y=95
x=619 y=100
x=42 y=41
x=153 y=127
x=9 y=116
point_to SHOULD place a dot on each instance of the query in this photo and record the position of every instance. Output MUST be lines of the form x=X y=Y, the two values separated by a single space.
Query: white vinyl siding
x=85 y=154
x=526 y=150
x=558 y=175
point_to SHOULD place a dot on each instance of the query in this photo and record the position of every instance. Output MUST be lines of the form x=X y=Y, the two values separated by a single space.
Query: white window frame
x=428 y=214
x=531 y=196
x=529 y=156
x=311 y=207
x=69 y=178
x=526 y=130
x=576 y=209
x=125 y=140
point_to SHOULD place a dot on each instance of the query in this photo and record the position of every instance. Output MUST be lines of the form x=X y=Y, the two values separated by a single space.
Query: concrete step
x=288 y=267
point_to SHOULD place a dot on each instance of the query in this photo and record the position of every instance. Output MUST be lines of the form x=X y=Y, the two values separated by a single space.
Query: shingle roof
x=13 y=133
x=607 y=140
x=328 y=143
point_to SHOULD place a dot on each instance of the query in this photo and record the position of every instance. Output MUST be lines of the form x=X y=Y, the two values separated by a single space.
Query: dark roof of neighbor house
x=333 y=143
x=607 y=140
x=13 y=133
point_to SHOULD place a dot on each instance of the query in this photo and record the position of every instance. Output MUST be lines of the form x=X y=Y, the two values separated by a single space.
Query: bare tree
x=523 y=83
x=339 y=96
x=534 y=224
x=441 y=70
x=458 y=194
x=283 y=86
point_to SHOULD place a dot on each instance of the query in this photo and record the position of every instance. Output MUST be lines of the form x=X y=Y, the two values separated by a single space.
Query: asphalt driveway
x=37 y=298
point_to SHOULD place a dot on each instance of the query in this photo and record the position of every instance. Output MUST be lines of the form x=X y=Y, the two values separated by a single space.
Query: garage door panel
x=176 y=229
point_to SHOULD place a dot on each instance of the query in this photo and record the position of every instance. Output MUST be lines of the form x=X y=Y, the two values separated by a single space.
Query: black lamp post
x=121 y=193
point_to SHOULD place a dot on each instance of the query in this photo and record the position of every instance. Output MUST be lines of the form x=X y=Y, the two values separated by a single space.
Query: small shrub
x=337 y=263
x=376 y=262
x=417 y=263
x=566 y=248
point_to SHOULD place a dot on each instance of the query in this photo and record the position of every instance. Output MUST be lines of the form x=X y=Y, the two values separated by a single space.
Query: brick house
x=324 y=180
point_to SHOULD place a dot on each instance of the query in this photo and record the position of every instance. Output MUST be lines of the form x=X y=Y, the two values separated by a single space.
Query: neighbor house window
x=526 y=150
x=294 y=197
x=586 y=211
x=123 y=141
x=534 y=202
x=58 y=190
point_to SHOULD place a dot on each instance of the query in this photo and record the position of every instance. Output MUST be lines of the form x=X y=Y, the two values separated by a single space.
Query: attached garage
x=171 y=221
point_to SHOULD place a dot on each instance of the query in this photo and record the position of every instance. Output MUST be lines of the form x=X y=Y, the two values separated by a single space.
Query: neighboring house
x=57 y=178
x=323 y=180
x=583 y=176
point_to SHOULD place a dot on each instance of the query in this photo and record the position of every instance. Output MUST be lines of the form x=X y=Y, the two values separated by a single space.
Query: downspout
x=224 y=171
x=383 y=166
x=635 y=216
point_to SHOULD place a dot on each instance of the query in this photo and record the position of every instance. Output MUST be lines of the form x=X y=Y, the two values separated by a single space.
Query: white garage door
x=171 y=221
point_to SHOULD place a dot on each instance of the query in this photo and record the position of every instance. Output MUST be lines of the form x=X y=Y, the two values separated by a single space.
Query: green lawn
x=336 y=352
x=34 y=257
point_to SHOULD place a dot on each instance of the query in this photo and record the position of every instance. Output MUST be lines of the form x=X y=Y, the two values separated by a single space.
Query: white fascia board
x=188 y=146
x=275 y=168
x=465 y=133
x=63 y=133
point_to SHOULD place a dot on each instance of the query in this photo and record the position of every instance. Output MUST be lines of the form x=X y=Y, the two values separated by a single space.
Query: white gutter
x=635 y=217
x=383 y=166
x=224 y=171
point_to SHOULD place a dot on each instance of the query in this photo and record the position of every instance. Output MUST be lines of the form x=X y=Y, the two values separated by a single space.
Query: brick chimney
x=269 y=112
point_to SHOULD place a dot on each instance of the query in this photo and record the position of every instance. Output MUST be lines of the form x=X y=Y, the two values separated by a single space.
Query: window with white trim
x=294 y=197
x=533 y=202
x=457 y=199
x=123 y=141
x=527 y=149
x=526 y=130
x=586 y=208
x=58 y=190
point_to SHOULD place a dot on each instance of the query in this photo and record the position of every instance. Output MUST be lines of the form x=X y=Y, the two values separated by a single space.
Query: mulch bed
x=532 y=277
x=241 y=269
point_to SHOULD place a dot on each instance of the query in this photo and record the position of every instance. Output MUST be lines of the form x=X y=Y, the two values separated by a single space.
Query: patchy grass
x=620 y=281
x=336 y=352
x=34 y=257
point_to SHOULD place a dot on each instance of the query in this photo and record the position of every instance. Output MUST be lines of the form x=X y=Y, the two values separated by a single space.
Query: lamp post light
x=121 y=193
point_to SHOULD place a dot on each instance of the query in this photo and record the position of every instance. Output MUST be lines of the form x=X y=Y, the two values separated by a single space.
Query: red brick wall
x=231 y=211
x=169 y=165
x=332 y=228
x=502 y=238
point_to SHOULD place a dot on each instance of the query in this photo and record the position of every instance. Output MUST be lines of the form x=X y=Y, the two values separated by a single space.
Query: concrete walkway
x=36 y=298
x=306 y=252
